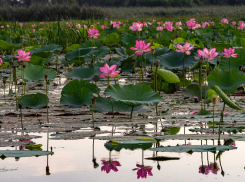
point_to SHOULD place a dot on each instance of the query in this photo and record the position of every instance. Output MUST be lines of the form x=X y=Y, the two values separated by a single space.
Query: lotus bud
x=215 y=99
x=240 y=67
x=158 y=167
x=20 y=103
x=93 y=101
x=157 y=63
x=218 y=62
x=153 y=51
x=46 y=76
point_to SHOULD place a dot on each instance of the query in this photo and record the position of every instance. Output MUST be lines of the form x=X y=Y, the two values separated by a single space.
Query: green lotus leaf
x=4 y=65
x=22 y=153
x=193 y=90
x=34 y=101
x=209 y=95
x=127 y=38
x=81 y=72
x=99 y=53
x=158 y=52
x=82 y=53
x=46 y=50
x=35 y=60
x=121 y=51
x=4 y=45
x=36 y=73
x=167 y=75
x=193 y=148
x=238 y=41
x=136 y=141
x=174 y=60
x=104 y=104
x=72 y=47
x=75 y=85
x=77 y=99
x=171 y=130
x=226 y=99
x=228 y=82
x=220 y=47
x=133 y=95
x=144 y=146
x=111 y=39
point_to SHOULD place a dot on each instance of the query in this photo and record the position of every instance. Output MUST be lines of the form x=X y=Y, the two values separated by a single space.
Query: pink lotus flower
x=210 y=55
x=212 y=23
x=233 y=23
x=178 y=23
x=224 y=20
x=169 y=26
x=21 y=24
x=205 y=24
x=141 y=47
x=103 y=26
x=204 y=169
x=185 y=48
x=229 y=53
x=241 y=22
x=226 y=113
x=33 y=25
x=159 y=29
x=109 y=71
x=137 y=26
x=1 y=61
x=41 y=23
x=114 y=24
x=143 y=171
x=192 y=112
x=2 y=26
x=85 y=26
x=93 y=33
x=23 y=56
x=78 y=26
x=110 y=165
x=241 y=26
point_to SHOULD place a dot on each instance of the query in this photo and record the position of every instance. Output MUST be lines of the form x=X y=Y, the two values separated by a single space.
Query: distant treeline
x=127 y=3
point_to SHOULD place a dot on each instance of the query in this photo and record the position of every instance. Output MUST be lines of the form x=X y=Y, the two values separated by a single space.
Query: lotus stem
x=22 y=71
x=206 y=76
x=93 y=114
x=131 y=115
x=183 y=72
x=200 y=84
x=229 y=65
x=20 y=106
x=4 y=83
x=108 y=81
x=112 y=108
x=221 y=120
x=156 y=110
x=135 y=73
x=213 y=117
x=46 y=81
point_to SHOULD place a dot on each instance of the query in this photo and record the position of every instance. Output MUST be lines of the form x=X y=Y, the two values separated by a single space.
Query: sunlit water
x=73 y=161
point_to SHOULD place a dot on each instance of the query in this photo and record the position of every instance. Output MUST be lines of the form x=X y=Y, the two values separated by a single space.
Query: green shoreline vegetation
x=73 y=11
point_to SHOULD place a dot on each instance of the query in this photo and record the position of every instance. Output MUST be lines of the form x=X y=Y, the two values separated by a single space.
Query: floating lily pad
x=22 y=153
x=162 y=158
x=136 y=141
x=193 y=148
x=46 y=50
x=118 y=147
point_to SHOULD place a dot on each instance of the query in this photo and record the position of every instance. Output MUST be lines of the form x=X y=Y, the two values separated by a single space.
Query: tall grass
x=39 y=12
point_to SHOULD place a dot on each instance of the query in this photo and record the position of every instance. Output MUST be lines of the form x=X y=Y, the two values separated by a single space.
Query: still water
x=73 y=161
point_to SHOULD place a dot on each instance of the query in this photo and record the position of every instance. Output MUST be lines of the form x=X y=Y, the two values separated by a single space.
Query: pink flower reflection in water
x=109 y=165
x=143 y=171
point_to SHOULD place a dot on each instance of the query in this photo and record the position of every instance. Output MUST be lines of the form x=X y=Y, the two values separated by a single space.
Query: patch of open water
x=73 y=161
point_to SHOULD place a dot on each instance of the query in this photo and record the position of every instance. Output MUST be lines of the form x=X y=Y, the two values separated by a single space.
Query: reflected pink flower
x=143 y=171
x=141 y=47
x=192 y=112
x=229 y=53
x=226 y=113
x=204 y=169
x=185 y=48
x=213 y=167
x=109 y=165
x=93 y=33
x=109 y=71
x=23 y=56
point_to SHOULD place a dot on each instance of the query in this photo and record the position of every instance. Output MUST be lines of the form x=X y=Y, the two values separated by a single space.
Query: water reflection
x=109 y=165
x=94 y=158
x=143 y=171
